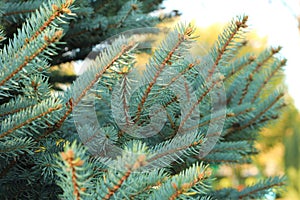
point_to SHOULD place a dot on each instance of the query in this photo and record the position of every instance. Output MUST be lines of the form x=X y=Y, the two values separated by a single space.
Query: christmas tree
x=155 y=135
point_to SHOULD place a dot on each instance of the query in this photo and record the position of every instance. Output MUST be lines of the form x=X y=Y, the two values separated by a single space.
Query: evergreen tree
x=96 y=20
x=119 y=156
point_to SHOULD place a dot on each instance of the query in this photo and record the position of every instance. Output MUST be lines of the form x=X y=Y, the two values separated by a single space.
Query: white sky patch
x=272 y=18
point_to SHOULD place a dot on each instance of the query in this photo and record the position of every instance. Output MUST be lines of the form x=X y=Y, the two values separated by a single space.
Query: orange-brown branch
x=57 y=12
x=112 y=191
x=18 y=12
x=228 y=115
x=240 y=67
x=133 y=7
x=138 y=163
x=171 y=151
x=15 y=111
x=72 y=103
x=239 y=25
x=28 y=59
x=186 y=186
x=282 y=63
x=245 y=90
x=189 y=67
x=98 y=75
x=57 y=125
x=260 y=189
x=198 y=102
x=181 y=38
x=257 y=68
x=272 y=53
x=73 y=162
x=256 y=117
x=29 y=121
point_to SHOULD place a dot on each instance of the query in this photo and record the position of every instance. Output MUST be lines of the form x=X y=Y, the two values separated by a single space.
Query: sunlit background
x=276 y=19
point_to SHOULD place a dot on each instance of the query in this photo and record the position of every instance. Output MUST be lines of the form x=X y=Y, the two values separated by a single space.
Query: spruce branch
x=241 y=92
x=69 y=158
x=45 y=17
x=74 y=172
x=245 y=90
x=260 y=189
x=18 y=9
x=133 y=6
x=226 y=40
x=188 y=65
x=275 y=100
x=187 y=68
x=116 y=181
x=199 y=100
x=51 y=128
x=192 y=179
x=270 y=103
x=47 y=42
x=58 y=10
x=249 y=79
x=125 y=179
x=37 y=88
x=229 y=152
x=150 y=185
x=184 y=35
x=207 y=119
x=266 y=119
x=17 y=146
x=223 y=158
x=279 y=65
x=16 y=105
x=237 y=66
x=98 y=75
x=186 y=186
x=265 y=57
x=173 y=148
x=86 y=82
x=238 y=146
x=16 y=122
x=34 y=113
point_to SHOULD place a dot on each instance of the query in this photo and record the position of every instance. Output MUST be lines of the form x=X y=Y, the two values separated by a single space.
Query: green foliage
x=122 y=158
x=105 y=18
x=75 y=171
x=257 y=191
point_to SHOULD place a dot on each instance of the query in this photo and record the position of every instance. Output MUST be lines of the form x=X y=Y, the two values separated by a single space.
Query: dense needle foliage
x=157 y=133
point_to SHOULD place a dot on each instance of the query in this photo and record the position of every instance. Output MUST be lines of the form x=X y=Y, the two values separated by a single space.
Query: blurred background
x=271 y=23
